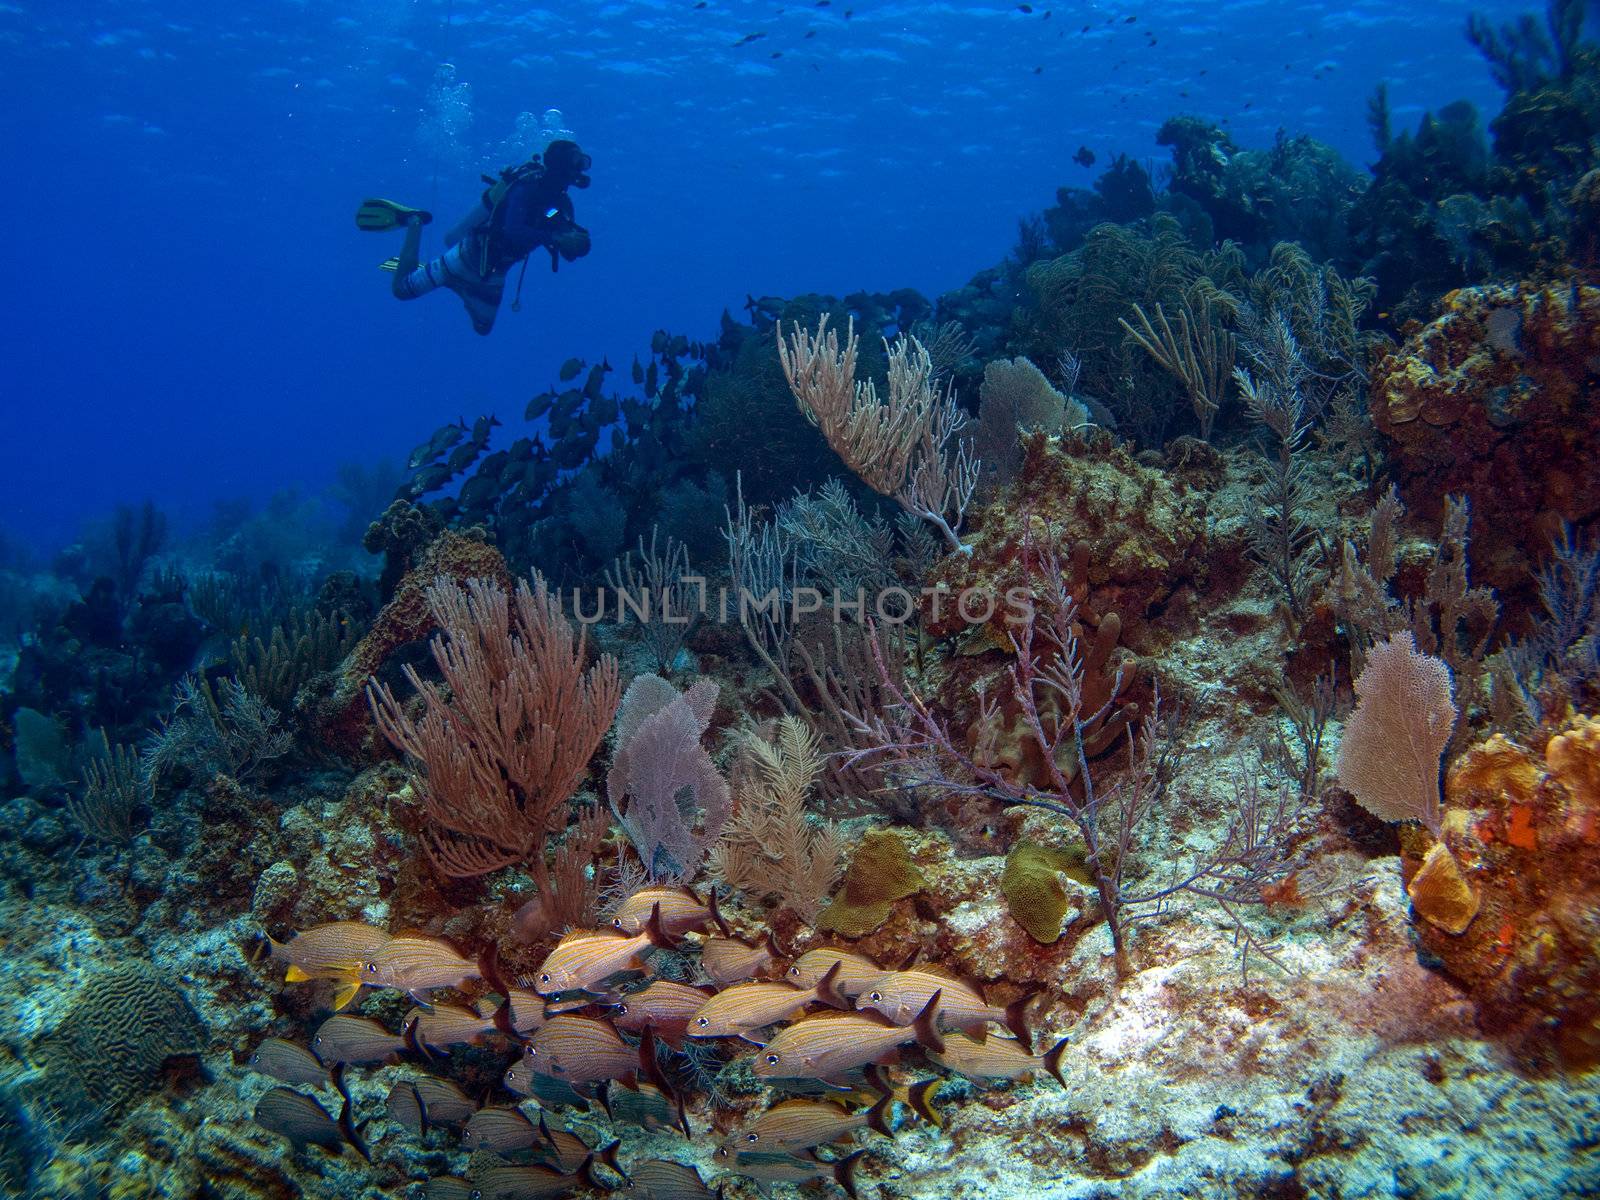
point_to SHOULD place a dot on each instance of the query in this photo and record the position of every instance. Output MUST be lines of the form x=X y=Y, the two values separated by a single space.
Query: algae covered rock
x=1494 y=400
x=880 y=873
x=1522 y=831
x=1036 y=886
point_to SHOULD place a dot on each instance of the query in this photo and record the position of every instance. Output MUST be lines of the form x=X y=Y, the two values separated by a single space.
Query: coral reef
x=1494 y=400
x=1517 y=928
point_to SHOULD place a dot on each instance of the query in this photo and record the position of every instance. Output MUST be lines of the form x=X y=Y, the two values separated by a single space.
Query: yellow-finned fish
x=346 y=1039
x=729 y=959
x=856 y=971
x=585 y=957
x=900 y=996
x=681 y=911
x=417 y=965
x=997 y=1058
x=665 y=1006
x=826 y=1046
x=746 y=1007
x=329 y=951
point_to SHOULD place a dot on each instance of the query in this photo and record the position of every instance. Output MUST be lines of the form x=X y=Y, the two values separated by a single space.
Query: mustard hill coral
x=1494 y=400
x=880 y=873
x=1525 y=832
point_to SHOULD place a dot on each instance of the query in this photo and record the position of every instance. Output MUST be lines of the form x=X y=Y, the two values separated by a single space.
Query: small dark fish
x=747 y=39
x=525 y=1183
x=461 y=457
x=638 y=371
x=300 y=1118
x=782 y=1168
x=538 y=406
x=1084 y=157
x=304 y=1122
x=346 y=1039
x=502 y=1130
x=288 y=1063
x=1025 y=8
x=481 y=428
x=593 y=384
x=570 y=369
x=641 y=1104
x=425 y=1102
x=651 y=381
x=662 y=1179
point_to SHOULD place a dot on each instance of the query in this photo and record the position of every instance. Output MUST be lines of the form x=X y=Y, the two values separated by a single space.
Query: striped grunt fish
x=662 y=1179
x=783 y=1168
x=729 y=959
x=526 y=1183
x=826 y=1046
x=665 y=1006
x=997 y=1058
x=503 y=1130
x=327 y=951
x=288 y=1062
x=425 y=1102
x=745 y=1008
x=900 y=995
x=681 y=911
x=444 y=1026
x=346 y=1039
x=581 y=1050
x=417 y=965
x=794 y=1125
x=856 y=971
x=585 y=957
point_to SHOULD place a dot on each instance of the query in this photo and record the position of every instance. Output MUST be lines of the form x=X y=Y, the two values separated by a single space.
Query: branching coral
x=771 y=847
x=906 y=445
x=504 y=748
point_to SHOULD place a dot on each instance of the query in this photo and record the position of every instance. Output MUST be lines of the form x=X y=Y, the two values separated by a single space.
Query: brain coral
x=126 y=1021
x=1496 y=400
x=1525 y=831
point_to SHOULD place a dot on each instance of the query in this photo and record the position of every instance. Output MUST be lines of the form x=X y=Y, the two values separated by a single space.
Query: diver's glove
x=570 y=242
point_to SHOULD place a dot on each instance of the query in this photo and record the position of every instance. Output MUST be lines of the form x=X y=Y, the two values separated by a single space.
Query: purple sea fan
x=667 y=794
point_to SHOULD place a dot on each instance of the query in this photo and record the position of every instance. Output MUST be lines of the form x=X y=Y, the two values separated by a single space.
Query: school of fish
x=593 y=1037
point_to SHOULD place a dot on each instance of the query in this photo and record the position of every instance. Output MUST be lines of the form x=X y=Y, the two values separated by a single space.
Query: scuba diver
x=525 y=208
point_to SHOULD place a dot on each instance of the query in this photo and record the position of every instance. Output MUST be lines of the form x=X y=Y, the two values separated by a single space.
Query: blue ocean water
x=192 y=316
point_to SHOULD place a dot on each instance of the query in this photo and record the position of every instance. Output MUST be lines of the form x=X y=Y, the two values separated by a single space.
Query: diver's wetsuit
x=532 y=211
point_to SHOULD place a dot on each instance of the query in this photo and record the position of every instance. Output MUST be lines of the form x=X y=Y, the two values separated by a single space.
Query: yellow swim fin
x=347 y=993
x=379 y=216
